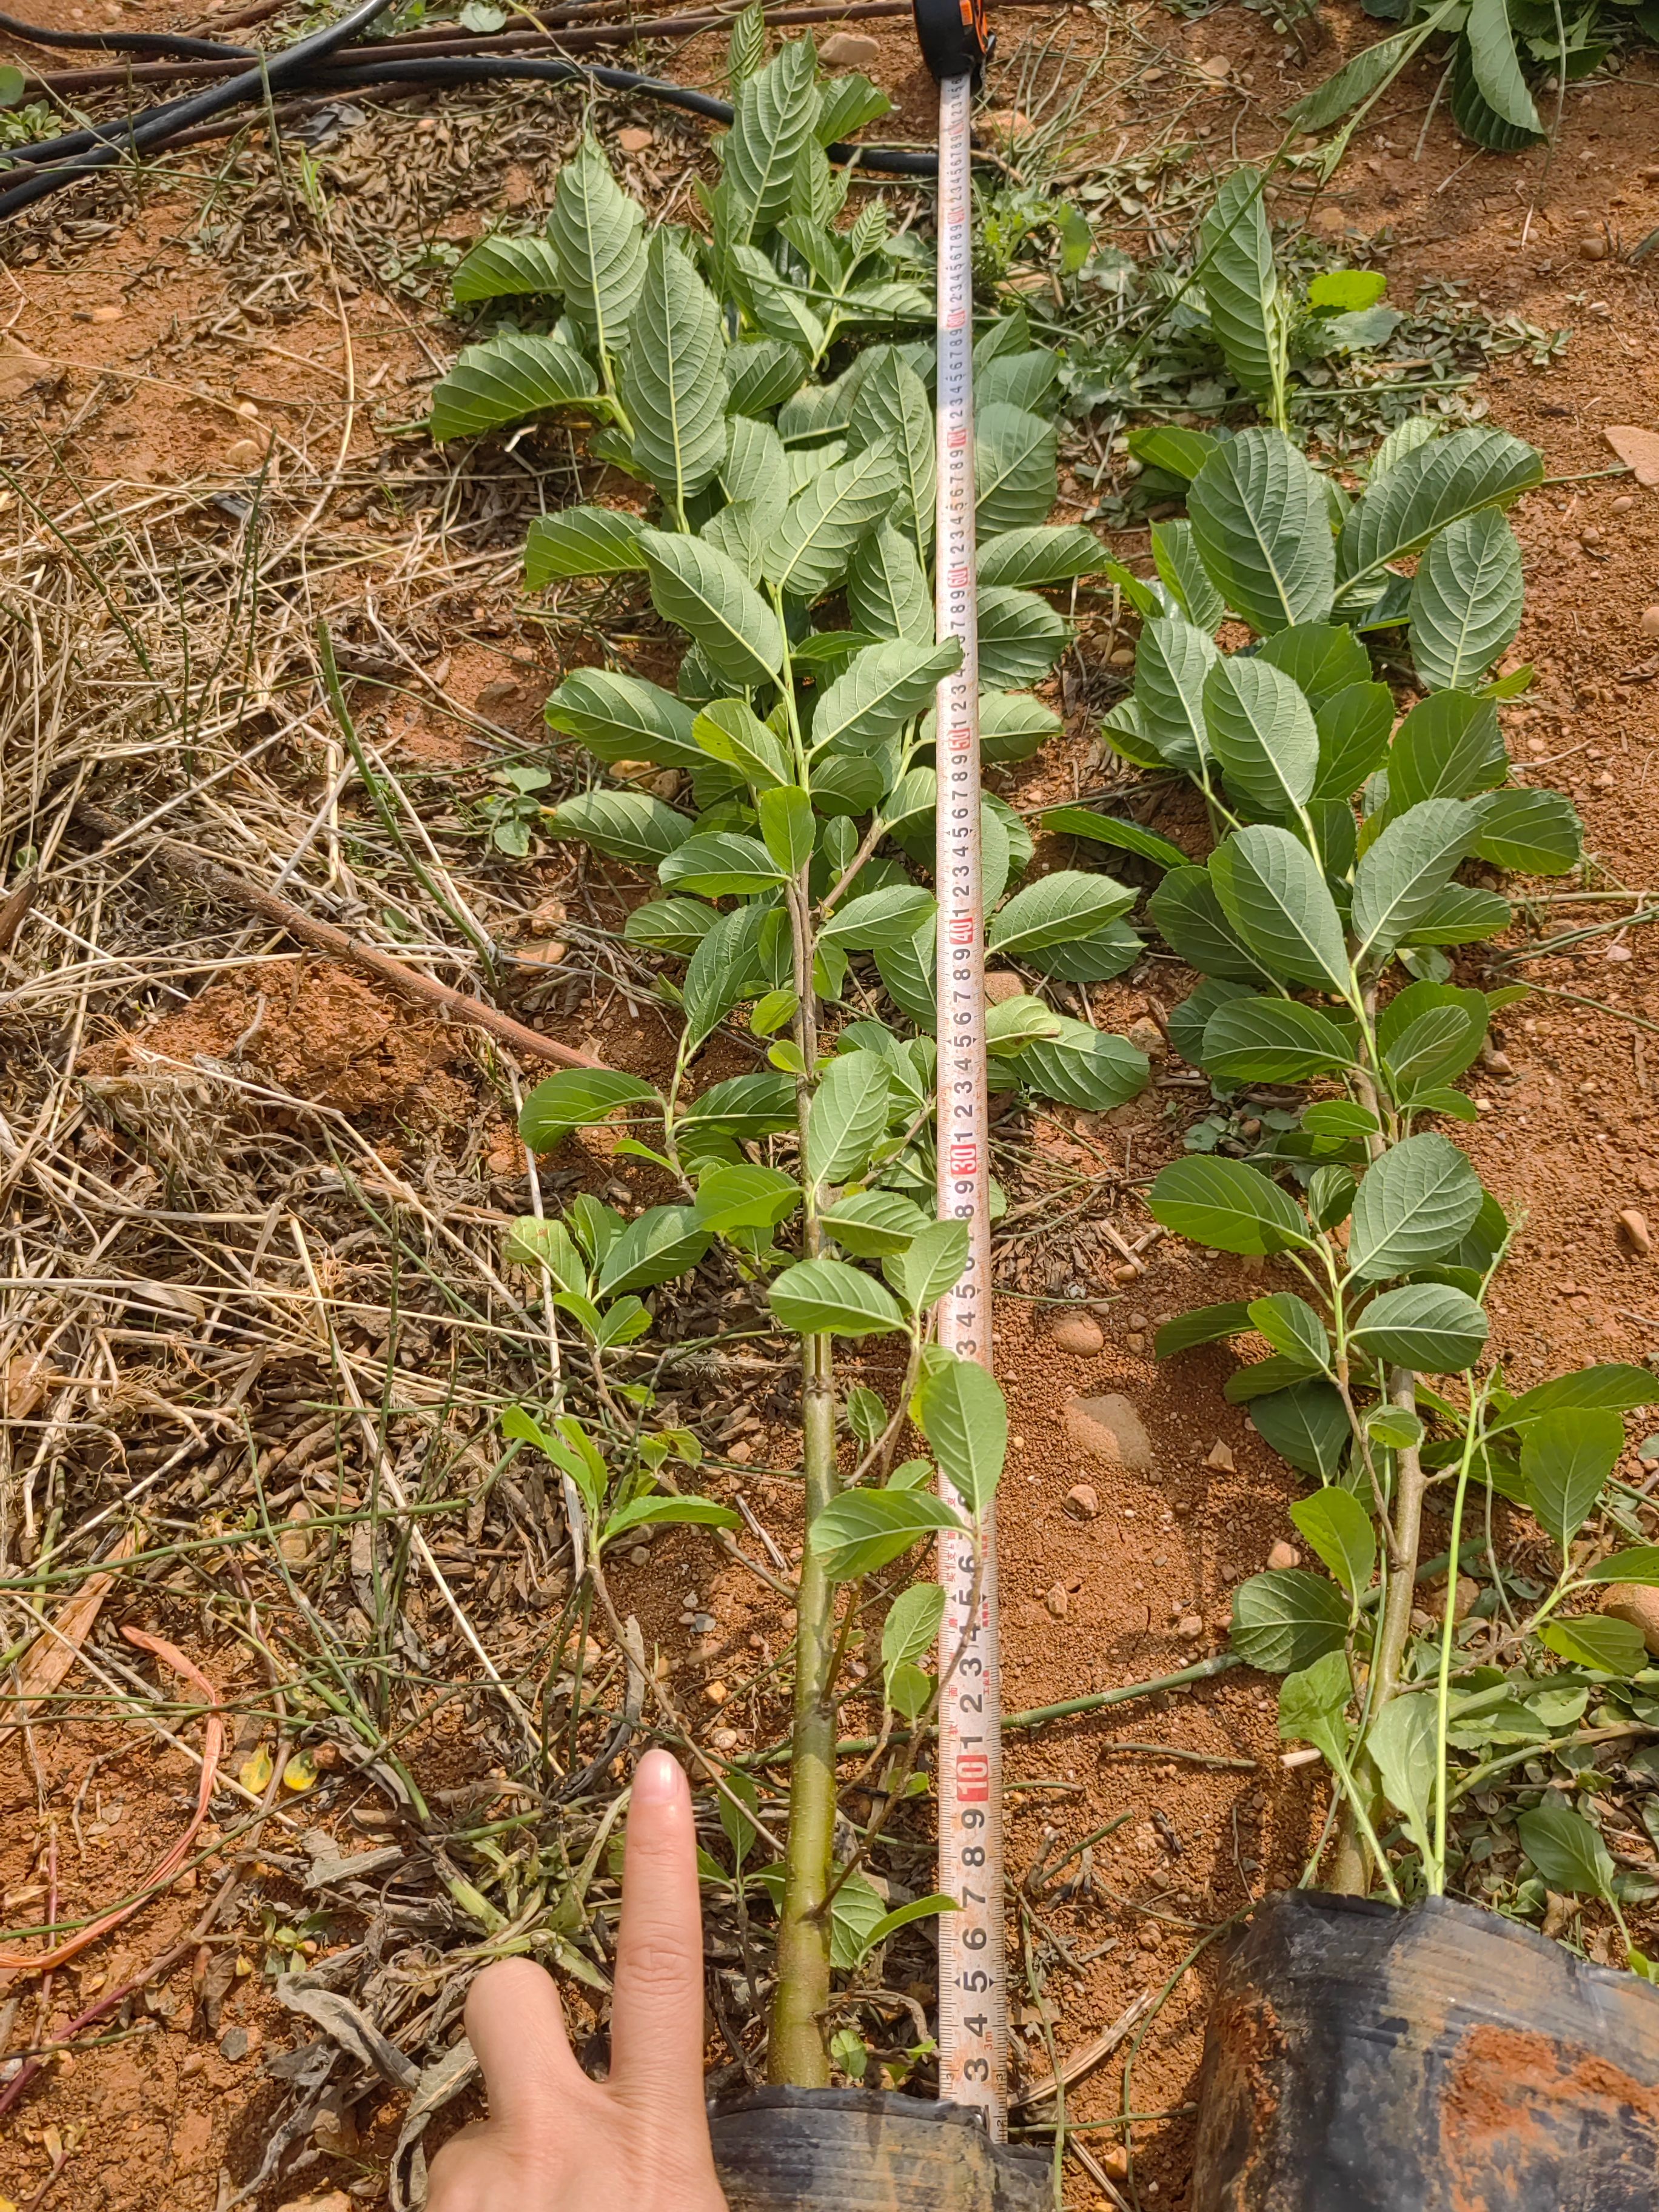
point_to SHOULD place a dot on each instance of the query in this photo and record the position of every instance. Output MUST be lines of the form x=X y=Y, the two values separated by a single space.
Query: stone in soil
x=1631 y=1601
x=1057 y=1601
x=1633 y=1224
x=1283 y=1555
x=1109 y=1429
x=1079 y=1334
x=849 y=50
x=1220 y=1457
x=1084 y=1500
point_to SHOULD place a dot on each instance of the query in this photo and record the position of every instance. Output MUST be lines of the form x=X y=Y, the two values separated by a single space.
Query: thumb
x=515 y=2025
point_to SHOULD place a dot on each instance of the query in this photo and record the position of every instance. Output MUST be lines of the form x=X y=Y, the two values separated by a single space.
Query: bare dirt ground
x=251 y=1205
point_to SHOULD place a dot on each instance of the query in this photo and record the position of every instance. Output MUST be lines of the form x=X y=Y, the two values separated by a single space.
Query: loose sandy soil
x=1567 y=1136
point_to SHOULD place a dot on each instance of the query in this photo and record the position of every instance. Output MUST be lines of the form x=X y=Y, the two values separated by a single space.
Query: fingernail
x=659 y=1779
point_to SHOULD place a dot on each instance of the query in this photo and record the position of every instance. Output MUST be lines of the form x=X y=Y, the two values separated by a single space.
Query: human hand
x=556 y=2141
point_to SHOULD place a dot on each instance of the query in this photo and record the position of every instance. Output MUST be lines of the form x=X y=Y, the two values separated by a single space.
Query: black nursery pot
x=1363 y=2059
x=855 y=2150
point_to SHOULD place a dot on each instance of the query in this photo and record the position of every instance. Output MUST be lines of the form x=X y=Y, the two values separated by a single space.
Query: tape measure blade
x=973 y=1982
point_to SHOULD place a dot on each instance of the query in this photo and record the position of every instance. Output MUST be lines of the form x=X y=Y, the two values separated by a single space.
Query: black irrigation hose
x=150 y=129
x=287 y=69
x=123 y=42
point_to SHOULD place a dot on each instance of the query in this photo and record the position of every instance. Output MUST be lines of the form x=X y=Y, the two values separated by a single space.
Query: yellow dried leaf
x=301 y=1772
x=254 y=1774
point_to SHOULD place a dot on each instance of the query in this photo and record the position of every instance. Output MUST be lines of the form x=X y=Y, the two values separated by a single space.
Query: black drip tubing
x=124 y=42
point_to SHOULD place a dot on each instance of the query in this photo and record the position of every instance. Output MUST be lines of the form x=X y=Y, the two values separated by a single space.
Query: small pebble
x=702 y=1624
x=1634 y=1225
x=1057 y=1601
x=725 y=1739
x=1084 y=1500
x=1634 y=1602
x=636 y=139
x=234 y=2044
x=110 y=313
x=1625 y=504
x=741 y=1451
x=1593 y=246
x=638 y=1556
x=1650 y=621
x=1283 y=1555
x=715 y=1693
x=1220 y=1457
x=1139 y=1321
x=1190 y=1627
x=1114 y=2163
x=1078 y=1334
x=1146 y=1037
x=849 y=50
x=244 y=454
x=1130 y=1271
x=1134 y=1341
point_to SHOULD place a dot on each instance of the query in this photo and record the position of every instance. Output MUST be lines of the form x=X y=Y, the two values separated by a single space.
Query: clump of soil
x=317 y=1030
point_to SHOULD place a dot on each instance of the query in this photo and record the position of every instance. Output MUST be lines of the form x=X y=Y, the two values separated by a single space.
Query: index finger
x=656 y=2012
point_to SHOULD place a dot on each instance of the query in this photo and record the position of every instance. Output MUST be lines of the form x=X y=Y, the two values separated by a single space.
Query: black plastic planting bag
x=854 y=2150
x=1363 y=2059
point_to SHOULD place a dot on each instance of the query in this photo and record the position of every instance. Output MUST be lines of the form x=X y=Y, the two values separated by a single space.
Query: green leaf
x=1461 y=913
x=1369 y=69
x=663 y=1243
x=773 y=116
x=625 y=718
x=1413 y=1206
x=881 y=689
x=912 y=1624
x=581 y=540
x=577 y=1098
x=846 y=103
x=1173 y=663
x=1056 y=910
x=1084 y=1066
x=872 y=1224
x=535 y=1243
x=1292 y=1327
x=1467 y=599
x=1273 y=1040
x=1236 y=271
x=822 y=1297
x=1353 y=725
x=891 y=410
x=887 y=593
x=901 y=1915
x=1313 y=1706
x=1174 y=555
x=1566 y=1460
x=690 y=1512
x=1640 y=1565
x=594 y=231
x=1272 y=891
x=891 y=915
x=1190 y=918
x=1260 y=527
x=1450 y=746
x=1340 y=1529
x=1015 y=1022
x=1307 y=1425
x=1020 y=635
x=1612 y=1647
x=1429 y=1033
x=1403 y=1746
x=961 y=1412
x=787 y=827
x=730 y=730
x=623 y=825
x=863 y=1530
x=744 y=1196
x=1567 y=1851
x=1406 y=870
x=1285 y=1621
x=1428 y=1326
x=930 y=1264
x=1203 y=1325
x=1043 y=553
x=1015 y=475
x=748 y=1107
x=1024 y=378
x=506 y=378
x=724 y=970
x=1228 y=1205
x=847 y=1116
x=706 y=594
x=1534 y=833
x=1321 y=659
x=720 y=864
x=1262 y=731
x=673 y=383
x=755 y=467
x=1109 y=829
x=808 y=552
x=1615 y=1387
x=1422 y=492
x=1496 y=67
x=762 y=373
x=1397 y=1427
x=1179 y=453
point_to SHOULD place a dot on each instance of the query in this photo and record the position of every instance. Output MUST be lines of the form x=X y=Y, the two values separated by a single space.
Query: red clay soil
x=1567 y=1137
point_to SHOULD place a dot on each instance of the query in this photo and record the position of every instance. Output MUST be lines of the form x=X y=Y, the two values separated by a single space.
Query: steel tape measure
x=953 y=38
